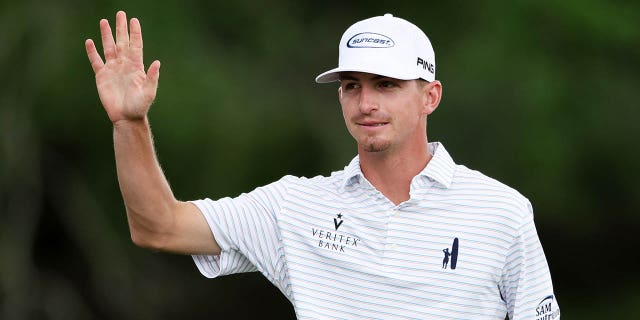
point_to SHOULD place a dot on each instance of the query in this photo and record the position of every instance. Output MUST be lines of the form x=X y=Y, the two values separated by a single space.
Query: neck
x=391 y=171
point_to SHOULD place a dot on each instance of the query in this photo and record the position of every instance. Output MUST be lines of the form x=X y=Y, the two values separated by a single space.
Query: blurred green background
x=541 y=95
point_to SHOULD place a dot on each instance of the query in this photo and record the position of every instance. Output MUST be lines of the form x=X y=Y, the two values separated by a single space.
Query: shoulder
x=331 y=182
x=491 y=191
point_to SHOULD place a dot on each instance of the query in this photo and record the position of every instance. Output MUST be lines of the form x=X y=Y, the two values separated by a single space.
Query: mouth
x=372 y=124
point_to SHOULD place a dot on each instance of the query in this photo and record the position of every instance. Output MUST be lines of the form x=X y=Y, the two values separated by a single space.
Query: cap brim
x=334 y=74
x=329 y=76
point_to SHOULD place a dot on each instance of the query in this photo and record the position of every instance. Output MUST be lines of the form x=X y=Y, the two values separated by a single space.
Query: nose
x=367 y=102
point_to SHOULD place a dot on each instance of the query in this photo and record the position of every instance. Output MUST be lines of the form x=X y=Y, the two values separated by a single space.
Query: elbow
x=141 y=240
x=147 y=233
x=147 y=240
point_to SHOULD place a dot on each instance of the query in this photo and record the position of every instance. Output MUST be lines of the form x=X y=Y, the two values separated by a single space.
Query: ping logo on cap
x=370 y=40
x=426 y=65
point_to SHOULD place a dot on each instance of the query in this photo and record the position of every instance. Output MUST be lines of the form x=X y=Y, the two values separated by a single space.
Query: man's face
x=381 y=113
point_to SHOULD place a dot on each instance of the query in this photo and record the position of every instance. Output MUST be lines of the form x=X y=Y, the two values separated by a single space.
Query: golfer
x=365 y=242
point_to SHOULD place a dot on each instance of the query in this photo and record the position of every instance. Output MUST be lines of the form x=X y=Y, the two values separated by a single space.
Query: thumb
x=153 y=74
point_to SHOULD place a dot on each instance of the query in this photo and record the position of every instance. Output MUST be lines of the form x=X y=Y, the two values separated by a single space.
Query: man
x=365 y=242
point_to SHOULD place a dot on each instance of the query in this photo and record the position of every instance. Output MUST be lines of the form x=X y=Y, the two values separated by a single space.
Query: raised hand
x=125 y=90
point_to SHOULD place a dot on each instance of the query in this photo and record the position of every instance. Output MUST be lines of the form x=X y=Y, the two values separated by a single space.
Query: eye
x=387 y=84
x=350 y=85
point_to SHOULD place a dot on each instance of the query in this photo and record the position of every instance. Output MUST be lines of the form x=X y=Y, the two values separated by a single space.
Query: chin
x=376 y=146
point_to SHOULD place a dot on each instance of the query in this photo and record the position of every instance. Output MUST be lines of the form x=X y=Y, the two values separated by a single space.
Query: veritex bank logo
x=370 y=40
x=335 y=221
x=334 y=240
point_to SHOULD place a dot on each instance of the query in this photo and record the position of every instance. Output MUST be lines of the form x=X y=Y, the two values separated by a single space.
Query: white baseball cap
x=387 y=46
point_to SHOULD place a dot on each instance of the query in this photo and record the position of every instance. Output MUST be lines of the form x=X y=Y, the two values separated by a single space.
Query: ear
x=432 y=93
x=340 y=99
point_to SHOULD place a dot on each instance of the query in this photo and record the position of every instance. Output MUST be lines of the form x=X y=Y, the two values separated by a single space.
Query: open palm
x=125 y=90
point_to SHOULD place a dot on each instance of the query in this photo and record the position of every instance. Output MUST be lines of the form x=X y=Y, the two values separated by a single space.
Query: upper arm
x=188 y=233
x=527 y=280
x=193 y=235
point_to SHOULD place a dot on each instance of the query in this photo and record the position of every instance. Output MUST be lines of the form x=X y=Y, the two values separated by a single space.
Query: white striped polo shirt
x=464 y=246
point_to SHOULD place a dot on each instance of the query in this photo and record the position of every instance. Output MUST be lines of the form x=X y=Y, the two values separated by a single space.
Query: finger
x=136 y=40
x=108 y=45
x=94 y=57
x=136 y=34
x=122 y=36
x=153 y=74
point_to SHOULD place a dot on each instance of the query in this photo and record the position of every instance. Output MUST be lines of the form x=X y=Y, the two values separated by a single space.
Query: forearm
x=148 y=198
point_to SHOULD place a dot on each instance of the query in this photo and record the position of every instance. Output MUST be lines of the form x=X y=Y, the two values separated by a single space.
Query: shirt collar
x=352 y=173
x=440 y=168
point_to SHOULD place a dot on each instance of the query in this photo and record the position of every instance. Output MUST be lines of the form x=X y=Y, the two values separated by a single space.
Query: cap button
x=388 y=15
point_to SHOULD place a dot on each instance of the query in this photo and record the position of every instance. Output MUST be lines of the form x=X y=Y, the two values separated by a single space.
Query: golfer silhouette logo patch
x=450 y=256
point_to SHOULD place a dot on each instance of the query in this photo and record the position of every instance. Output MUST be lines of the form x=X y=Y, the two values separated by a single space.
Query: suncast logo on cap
x=370 y=40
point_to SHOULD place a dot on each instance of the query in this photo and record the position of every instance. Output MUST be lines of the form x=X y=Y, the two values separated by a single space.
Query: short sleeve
x=230 y=260
x=246 y=230
x=526 y=282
